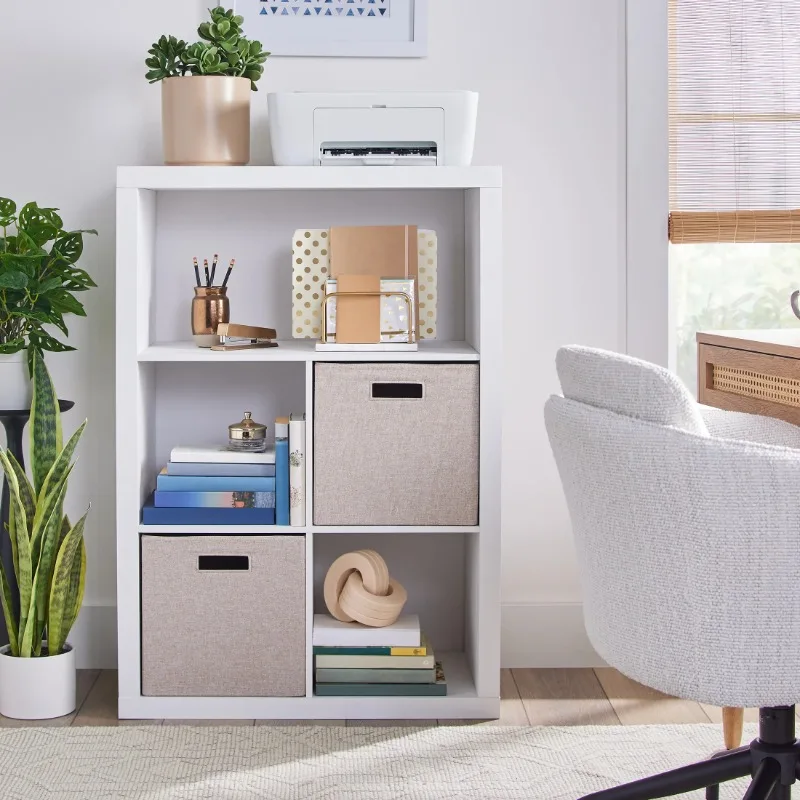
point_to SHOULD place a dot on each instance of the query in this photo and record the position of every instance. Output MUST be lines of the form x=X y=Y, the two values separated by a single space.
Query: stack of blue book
x=214 y=486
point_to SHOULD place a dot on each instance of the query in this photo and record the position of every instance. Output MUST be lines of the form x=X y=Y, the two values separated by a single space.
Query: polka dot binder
x=311 y=269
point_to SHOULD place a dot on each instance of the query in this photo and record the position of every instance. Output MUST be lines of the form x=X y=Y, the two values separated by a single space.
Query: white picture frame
x=401 y=34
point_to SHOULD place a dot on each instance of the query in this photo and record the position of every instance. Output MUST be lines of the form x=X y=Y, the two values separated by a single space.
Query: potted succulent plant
x=205 y=95
x=37 y=667
x=39 y=277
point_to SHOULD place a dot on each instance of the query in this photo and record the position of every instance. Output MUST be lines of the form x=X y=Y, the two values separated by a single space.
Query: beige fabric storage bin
x=223 y=616
x=396 y=444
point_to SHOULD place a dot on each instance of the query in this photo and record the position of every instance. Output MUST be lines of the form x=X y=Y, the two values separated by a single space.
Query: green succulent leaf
x=221 y=50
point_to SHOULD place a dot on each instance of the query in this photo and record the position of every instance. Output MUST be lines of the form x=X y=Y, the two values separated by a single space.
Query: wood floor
x=529 y=697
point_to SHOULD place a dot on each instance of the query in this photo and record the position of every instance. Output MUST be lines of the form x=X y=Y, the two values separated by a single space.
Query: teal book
x=438 y=689
x=232 y=500
x=354 y=675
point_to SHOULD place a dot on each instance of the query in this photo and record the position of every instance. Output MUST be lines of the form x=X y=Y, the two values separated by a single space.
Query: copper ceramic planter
x=206 y=120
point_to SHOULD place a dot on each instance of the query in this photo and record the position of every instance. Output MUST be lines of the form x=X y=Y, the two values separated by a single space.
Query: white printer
x=372 y=128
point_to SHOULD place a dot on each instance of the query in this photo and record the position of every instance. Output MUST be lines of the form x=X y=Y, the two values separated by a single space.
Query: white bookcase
x=170 y=392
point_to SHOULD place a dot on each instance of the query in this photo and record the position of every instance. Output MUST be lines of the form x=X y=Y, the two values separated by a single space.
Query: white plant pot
x=37 y=688
x=15 y=383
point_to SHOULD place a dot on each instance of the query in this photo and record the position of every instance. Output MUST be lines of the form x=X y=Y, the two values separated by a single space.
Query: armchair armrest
x=724 y=424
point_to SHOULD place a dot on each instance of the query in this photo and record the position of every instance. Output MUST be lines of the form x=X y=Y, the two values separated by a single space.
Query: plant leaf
x=45 y=423
x=45 y=541
x=77 y=584
x=7 y=207
x=13 y=280
x=61 y=604
x=12 y=624
x=23 y=545
x=26 y=493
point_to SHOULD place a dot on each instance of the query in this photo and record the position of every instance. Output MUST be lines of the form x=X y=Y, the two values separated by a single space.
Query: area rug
x=312 y=763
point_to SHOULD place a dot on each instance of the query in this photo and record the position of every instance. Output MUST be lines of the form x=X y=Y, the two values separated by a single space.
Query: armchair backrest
x=627 y=386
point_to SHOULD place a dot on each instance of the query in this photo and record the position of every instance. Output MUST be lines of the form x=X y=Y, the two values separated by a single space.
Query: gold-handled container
x=247 y=435
x=210 y=307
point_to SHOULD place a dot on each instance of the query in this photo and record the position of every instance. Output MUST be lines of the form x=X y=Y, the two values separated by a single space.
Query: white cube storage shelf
x=170 y=392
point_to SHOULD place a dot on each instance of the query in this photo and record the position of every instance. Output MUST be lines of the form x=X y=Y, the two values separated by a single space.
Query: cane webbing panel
x=756 y=384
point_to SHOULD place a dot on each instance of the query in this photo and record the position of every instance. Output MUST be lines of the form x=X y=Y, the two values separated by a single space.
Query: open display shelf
x=170 y=392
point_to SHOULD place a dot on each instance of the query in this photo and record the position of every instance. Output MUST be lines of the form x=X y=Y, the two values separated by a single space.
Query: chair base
x=773 y=761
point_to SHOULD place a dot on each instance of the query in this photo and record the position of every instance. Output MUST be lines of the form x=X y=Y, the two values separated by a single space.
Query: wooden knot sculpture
x=358 y=588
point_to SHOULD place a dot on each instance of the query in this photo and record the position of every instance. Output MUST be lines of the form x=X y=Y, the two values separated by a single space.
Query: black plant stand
x=14 y=422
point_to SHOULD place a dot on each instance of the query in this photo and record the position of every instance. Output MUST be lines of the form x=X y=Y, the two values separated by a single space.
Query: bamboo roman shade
x=734 y=121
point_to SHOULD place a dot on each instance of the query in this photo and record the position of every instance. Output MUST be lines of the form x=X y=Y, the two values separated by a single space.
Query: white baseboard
x=533 y=635
x=94 y=638
x=545 y=635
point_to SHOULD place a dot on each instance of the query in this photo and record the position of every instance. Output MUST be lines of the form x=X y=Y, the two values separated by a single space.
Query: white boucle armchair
x=687 y=526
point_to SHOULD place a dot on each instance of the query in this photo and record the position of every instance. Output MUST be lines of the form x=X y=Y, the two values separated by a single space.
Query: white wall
x=74 y=104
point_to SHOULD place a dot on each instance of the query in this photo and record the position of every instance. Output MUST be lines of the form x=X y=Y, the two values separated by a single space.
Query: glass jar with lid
x=247 y=435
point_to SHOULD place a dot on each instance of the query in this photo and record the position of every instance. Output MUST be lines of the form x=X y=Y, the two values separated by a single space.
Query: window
x=734 y=135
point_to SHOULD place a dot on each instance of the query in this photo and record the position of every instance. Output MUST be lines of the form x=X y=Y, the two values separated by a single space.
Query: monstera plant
x=49 y=561
x=206 y=120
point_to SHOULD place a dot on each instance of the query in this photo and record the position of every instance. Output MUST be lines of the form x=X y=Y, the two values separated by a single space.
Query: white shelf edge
x=302 y=350
x=225 y=530
x=378 y=529
x=309 y=178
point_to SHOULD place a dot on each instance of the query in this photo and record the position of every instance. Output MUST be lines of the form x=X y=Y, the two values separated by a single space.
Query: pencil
x=196 y=270
x=205 y=267
x=228 y=273
x=214 y=268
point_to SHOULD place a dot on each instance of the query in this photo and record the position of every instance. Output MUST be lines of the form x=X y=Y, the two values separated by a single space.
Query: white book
x=220 y=455
x=297 y=470
x=329 y=632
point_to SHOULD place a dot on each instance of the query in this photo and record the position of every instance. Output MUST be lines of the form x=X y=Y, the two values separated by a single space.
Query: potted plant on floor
x=205 y=94
x=39 y=277
x=37 y=668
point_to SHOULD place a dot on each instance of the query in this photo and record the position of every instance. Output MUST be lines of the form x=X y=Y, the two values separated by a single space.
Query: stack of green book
x=387 y=670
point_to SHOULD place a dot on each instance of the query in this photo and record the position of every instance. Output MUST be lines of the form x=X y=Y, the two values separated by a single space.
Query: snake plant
x=48 y=553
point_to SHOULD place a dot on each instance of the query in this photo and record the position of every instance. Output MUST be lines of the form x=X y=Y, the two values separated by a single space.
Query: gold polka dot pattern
x=311 y=262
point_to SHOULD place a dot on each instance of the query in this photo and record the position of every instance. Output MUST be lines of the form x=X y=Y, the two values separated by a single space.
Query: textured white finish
x=561 y=166
x=15 y=382
x=687 y=542
x=37 y=688
x=283 y=763
x=301 y=124
x=271 y=178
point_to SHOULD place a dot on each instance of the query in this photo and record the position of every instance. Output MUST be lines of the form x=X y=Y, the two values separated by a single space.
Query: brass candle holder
x=210 y=307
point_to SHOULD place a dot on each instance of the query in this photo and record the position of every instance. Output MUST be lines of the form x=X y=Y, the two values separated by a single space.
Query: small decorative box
x=395 y=309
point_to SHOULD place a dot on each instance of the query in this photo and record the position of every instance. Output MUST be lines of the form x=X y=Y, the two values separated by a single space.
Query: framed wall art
x=355 y=28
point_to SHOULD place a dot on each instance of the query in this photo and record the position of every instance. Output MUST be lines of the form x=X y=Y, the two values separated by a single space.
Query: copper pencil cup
x=210 y=307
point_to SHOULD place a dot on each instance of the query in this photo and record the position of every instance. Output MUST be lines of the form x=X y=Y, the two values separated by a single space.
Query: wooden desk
x=757 y=372
x=753 y=371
